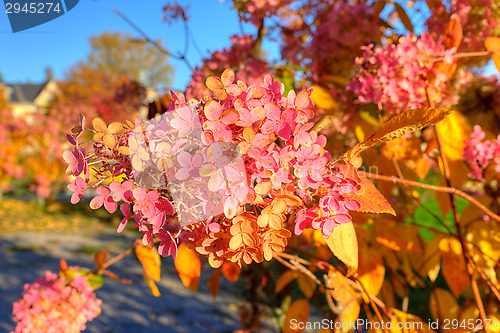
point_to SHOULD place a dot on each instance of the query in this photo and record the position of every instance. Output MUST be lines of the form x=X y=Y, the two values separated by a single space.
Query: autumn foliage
x=356 y=179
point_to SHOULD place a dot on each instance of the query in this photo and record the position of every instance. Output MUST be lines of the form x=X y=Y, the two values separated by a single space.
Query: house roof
x=25 y=92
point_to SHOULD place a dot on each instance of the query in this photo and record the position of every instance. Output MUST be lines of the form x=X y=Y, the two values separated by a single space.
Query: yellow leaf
x=443 y=305
x=371 y=269
x=150 y=260
x=454 y=269
x=151 y=284
x=371 y=200
x=213 y=283
x=404 y=17
x=454 y=130
x=344 y=296
x=402 y=124
x=306 y=285
x=344 y=245
x=323 y=99
x=299 y=311
x=188 y=266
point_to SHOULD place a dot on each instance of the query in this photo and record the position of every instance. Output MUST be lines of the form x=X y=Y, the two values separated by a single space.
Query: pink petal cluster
x=480 y=153
x=394 y=76
x=53 y=305
x=251 y=69
x=477 y=17
x=333 y=208
x=237 y=149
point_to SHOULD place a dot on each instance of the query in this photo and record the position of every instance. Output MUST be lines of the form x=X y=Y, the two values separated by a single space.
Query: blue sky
x=64 y=41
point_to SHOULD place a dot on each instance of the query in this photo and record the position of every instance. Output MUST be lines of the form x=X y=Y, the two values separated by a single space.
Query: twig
x=433 y=188
x=374 y=306
x=465 y=55
x=149 y=40
x=456 y=216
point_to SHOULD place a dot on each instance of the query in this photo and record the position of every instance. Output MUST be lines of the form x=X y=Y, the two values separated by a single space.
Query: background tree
x=119 y=53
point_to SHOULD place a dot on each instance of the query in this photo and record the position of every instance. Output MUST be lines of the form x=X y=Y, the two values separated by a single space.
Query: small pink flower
x=78 y=186
x=146 y=202
x=104 y=198
x=168 y=246
x=125 y=209
x=122 y=191
x=76 y=161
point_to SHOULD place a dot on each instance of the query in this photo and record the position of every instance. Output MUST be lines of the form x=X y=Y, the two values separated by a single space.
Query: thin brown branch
x=374 y=306
x=433 y=188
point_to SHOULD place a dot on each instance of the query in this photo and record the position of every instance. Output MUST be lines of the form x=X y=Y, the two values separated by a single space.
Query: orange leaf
x=371 y=269
x=404 y=17
x=371 y=200
x=188 y=266
x=492 y=44
x=298 y=310
x=454 y=268
x=150 y=260
x=344 y=245
x=443 y=305
x=402 y=124
x=453 y=32
x=213 y=283
x=151 y=284
x=344 y=296
x=231 y=271
x=306 y=285
x=100 y=258
x=285 y=279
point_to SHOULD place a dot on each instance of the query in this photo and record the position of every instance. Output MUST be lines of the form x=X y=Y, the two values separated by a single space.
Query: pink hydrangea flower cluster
x=247 y=147
x=344 y=27
x=394 y=76
x=251 y=69
x=53 y=305
x=477 y=17
x=480 y=153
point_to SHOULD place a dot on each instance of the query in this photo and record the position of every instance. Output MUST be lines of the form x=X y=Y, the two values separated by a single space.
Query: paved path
x=126 y=308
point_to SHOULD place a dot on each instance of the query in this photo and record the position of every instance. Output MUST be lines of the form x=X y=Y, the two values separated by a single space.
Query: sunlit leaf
x=454 y=268
x=344 y=245
x=150 y=260
x=443 y=305
x=402 y=124
x=371 y=200
x=231 y=271
x=323 y=99
x=492 y=44
x=298 y=310
x=371 y=269
x=453 y=32
x=188 y=266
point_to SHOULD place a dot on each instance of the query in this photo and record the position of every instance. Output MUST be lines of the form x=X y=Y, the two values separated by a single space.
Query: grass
x=18 y=215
